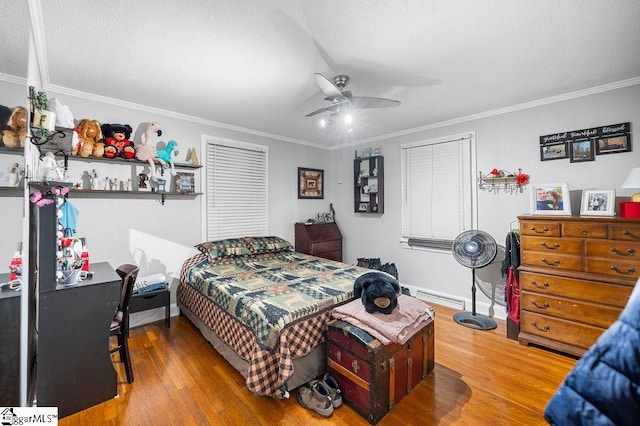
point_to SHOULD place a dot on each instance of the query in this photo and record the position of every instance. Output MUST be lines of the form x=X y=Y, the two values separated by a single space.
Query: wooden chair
x=120 y=322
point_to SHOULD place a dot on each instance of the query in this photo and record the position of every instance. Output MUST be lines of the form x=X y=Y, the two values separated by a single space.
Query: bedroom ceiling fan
x=343 y=100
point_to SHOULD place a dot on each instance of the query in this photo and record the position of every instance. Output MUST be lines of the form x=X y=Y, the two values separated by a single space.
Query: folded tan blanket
x=397 y=327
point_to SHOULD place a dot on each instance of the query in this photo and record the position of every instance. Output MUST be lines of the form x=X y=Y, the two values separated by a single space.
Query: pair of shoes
x=315 y=396
x=334 y=390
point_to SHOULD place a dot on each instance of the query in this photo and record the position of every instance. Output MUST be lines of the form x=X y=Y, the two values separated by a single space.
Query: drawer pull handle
x=629 y=234
x=629 y=252
x=535 y=284
x=555 y=262
x=355 y=366
x=583 y=232
x=545 y=328
x=544 y=230
x=545 y=305
x=555 y=246
x=629 y=270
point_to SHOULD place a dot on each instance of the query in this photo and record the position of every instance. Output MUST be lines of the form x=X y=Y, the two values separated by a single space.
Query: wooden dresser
x=319 y=239
x=576 y=276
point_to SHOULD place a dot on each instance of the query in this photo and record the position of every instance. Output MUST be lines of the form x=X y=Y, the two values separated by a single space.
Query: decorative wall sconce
x=502 y=180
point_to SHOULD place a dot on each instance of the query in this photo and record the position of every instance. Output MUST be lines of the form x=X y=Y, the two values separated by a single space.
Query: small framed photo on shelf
x=310 y=183
x=612 y=145
x=598 y=202
x=550 y=199
x=363 y=207
x=554 y=151
x=185 y=183
x=582 y=150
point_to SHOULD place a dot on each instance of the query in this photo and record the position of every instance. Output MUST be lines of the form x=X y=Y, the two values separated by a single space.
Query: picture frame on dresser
x=598 y=202
x=550 y=199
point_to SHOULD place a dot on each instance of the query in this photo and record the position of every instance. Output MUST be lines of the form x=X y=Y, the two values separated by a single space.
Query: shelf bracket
x=163 y=196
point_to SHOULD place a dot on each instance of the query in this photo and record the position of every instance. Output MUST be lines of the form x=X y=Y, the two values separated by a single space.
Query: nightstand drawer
x=326 y=246
x=151 y=300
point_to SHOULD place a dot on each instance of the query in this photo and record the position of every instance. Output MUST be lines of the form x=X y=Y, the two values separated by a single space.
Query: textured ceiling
x=250 y=64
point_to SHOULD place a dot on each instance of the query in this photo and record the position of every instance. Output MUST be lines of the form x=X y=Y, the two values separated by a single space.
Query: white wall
x=141 y=230
x=507 y=141
x=160 y=237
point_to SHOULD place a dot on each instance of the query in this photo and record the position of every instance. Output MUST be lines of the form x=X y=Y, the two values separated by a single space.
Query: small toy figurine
x=142 y=182
x=94 y=180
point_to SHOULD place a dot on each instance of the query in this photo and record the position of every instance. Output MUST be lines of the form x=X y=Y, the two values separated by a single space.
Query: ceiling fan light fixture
x=348 y=118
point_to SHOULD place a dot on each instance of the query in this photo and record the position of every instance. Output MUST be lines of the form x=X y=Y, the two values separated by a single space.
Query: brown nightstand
x=151 y=300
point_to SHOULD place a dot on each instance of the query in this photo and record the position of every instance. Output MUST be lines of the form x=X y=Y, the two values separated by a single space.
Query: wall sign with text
x=582 y=145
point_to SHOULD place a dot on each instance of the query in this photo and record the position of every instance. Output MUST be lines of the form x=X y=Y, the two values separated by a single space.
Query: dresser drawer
x=552 y=260
x=559 y=330
x=584 y=230
x=555 y=245
x=619 y=250
x=616 y=268
x=589 y=291
x=326 y=246
x=627 y=232
x=569 y=309
x=531 y=227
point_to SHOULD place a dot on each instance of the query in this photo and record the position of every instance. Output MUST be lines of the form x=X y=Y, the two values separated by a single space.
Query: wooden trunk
x=374 y=377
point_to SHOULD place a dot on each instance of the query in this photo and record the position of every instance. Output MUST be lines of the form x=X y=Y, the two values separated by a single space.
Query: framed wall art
x=613 y=145
x=550 y=199
x=310 y=183
x=582 y=150
x=554 y=151
x=185 y=183
x=598 y=202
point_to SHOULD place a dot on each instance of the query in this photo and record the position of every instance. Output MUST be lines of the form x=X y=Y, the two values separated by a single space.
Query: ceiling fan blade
x=327 y=87
x=334 y=107
x=363 y=102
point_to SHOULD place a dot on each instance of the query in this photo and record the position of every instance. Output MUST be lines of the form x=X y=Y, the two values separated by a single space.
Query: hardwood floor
x=480 y=378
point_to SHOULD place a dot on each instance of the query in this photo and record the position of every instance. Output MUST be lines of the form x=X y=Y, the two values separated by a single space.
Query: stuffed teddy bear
x=116 y=141
x=89 y=139
x=14 y=131
x=378 y=291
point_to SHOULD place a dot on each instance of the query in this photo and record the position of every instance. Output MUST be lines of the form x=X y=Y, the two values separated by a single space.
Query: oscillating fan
x=474 y=249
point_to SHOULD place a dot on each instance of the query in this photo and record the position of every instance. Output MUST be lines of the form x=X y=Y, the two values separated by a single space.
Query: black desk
x=74 y=368
x=153 y=299
x=9 y=345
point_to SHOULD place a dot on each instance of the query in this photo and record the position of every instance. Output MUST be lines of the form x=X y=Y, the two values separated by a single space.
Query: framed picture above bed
x=310 y=183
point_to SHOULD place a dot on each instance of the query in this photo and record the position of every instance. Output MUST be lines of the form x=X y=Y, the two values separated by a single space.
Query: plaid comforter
x=270 y=308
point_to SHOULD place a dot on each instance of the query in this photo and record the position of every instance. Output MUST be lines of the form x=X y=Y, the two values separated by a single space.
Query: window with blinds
x=236 y=190
x=438 y=197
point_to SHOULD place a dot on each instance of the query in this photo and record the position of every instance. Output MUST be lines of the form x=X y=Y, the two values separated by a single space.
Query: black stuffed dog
x=378 y=290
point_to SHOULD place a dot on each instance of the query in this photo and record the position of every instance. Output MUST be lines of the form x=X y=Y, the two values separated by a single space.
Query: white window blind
x=437 y=191
x=236 y=190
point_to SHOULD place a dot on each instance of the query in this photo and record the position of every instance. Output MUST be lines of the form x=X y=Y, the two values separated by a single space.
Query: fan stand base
x=476 y=321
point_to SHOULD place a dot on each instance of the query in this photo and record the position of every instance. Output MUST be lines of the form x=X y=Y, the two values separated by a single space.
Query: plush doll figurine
x=116 y=141
x=14 y=132
x=146 y=151
x=90 y=139
x=378 y=291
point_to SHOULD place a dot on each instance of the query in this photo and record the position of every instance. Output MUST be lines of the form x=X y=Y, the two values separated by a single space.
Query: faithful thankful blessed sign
x=582 y=145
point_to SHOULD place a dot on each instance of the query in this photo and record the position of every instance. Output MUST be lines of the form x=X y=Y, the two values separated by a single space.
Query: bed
x=264 y=307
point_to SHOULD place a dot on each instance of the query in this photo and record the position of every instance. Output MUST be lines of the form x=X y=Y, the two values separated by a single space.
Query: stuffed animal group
x=378 y=291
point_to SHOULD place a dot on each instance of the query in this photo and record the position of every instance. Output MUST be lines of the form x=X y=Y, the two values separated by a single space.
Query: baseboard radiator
x=440 y=299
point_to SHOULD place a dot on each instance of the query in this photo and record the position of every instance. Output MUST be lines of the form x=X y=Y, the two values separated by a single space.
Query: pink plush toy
x=146 y=151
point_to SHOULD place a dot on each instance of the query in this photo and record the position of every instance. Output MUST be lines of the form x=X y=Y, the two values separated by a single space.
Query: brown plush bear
x=15 y=130
x=90 y=137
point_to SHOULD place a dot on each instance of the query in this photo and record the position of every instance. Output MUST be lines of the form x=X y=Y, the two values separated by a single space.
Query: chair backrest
x=129 y=274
